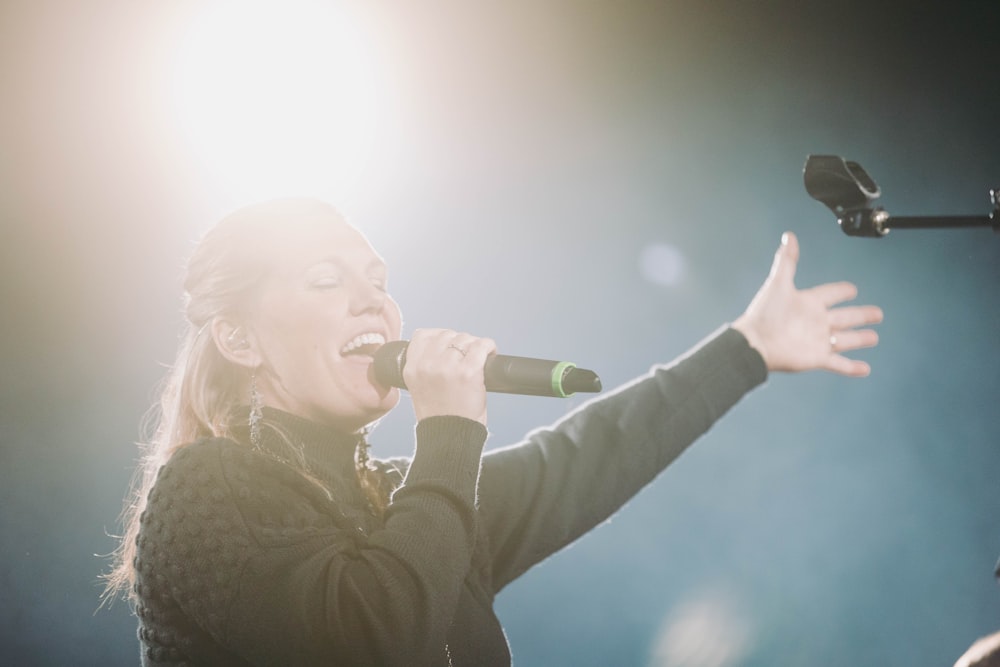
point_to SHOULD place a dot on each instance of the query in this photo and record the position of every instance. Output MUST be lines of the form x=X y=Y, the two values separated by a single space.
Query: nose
x=367 y=298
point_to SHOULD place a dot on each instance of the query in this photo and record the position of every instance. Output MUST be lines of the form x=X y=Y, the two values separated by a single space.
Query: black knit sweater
x=244 y=560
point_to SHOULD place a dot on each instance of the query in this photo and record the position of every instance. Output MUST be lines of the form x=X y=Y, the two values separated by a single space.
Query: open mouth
x=363 y=345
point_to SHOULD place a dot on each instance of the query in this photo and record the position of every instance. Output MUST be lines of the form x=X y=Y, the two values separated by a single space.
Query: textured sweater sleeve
x=540 y=495
x=277 y=577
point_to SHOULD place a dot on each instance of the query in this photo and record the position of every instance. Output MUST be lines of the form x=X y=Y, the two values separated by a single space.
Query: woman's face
x=323 y=311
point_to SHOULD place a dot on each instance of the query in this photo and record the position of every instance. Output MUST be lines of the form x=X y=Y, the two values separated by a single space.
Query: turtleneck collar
x=328 y=452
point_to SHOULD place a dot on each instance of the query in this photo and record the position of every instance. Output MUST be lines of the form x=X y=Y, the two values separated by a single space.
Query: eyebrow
x=375 y=263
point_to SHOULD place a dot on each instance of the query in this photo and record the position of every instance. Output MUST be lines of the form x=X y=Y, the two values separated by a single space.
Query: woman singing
x=261 y=532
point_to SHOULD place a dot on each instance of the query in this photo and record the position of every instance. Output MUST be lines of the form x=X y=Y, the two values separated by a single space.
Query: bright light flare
x=706 y=631
x=281 y=98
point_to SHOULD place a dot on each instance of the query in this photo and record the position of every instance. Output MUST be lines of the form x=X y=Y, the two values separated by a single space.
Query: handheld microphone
x=504 y=374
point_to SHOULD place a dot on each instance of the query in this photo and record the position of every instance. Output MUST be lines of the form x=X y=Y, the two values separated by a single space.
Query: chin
x=370 y=414
x=389 y=401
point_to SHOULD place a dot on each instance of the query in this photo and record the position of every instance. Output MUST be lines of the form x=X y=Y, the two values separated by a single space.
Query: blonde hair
x=202 y=390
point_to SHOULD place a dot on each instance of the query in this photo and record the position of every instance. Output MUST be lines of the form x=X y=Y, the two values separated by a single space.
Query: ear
x=235 y=343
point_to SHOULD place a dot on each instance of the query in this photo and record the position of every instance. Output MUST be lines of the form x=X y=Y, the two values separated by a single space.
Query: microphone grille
x=389 y=362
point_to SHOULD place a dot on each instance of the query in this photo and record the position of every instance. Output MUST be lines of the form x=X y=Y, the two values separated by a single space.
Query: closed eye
x=326 y=283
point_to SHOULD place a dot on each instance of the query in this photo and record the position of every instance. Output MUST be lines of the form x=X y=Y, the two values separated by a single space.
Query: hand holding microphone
x=491 y=372
x=442 y=369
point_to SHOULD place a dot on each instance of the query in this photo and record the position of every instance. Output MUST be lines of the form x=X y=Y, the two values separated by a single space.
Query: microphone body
x=503 y=374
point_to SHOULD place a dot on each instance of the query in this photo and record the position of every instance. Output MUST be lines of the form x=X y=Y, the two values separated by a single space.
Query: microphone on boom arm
x=849 y=192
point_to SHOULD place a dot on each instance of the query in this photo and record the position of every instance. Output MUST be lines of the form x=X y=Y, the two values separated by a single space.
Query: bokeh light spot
x=662 y=264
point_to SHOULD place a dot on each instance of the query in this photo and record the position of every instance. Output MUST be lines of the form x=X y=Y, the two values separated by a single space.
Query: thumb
x=786 y=258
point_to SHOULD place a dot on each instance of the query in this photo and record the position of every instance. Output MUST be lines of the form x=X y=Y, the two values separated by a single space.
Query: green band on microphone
x=558 y=373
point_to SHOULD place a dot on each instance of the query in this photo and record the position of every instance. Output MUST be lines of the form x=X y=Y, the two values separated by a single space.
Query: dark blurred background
x=603 y=182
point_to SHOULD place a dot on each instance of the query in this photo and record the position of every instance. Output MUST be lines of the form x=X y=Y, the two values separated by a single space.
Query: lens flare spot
x=662 y=264
x=705 y=631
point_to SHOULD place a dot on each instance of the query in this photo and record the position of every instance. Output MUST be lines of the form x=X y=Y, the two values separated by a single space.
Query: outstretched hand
x=985 y=652
x=799 y=330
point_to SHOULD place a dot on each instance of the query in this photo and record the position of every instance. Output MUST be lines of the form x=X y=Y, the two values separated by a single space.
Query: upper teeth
x=363 y=339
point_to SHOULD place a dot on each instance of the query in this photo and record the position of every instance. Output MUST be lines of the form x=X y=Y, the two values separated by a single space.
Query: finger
x=464 y=340
x=474 y=351
x=855 y=316
x=831 y=294
x=423 y=335
x=849 y=367
x=843 y=341
x=479 y=350
x=786 y=258
x=460 y=342
x=424 y=338
x=431 y=347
